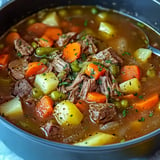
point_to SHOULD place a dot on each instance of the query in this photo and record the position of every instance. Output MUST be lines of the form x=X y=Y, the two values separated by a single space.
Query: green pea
x=151 y=72
x=34 y=45
x=57 y=96
x=41 y=51
x=37 y=93
x=75 y=66
x=44 y=61
x=117 y=104
x=124 y=103
x=114 y=69
x=94 y=11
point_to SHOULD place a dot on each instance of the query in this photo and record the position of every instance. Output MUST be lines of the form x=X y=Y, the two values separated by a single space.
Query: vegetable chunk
x=47 y=82
x=97 y=139
x=12 y=109
x=66 y=113
x=130 y=86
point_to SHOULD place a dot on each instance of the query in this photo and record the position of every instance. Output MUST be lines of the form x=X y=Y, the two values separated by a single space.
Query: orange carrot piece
x=11 y=37
x=53 y=33
x=82 y=105
x=96 y=97
x=147 y=103
x=72 y=51
x=4 y=60
x=44 y=41
x=94 y=71
x=37 y=28
x=44 y=107
x=129 y=72
x=35 y=68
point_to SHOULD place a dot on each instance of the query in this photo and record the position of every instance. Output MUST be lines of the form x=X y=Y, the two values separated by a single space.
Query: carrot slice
x=53 y=33
x=82 y=105
x=96 y=97
x=44 y=107
x=147 y=103
x=4 y=60
x=35 y=68
x=37 y=28
x=72 y=51
x=129 y=72
x=44 y=41
x=94 y=71
x=11 y=37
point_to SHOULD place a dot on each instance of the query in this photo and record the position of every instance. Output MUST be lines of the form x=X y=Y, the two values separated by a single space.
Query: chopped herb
x=150 y=114
x=85 y=23
x=113 y=80
x=74 y=49
x=108 y=61
x=71 y=115
x=142 y=119
x=136 y=110
x=118 y=92
x=99 y=68
x=63 y=83
x=84 y=57
x=135 y=94
x=107 y=96
x=131 y=107
x=140 y=24
x=110 y=106
x=124 y=113
x=141 y=97
x=64 y=36
x=75 y=54
x=80 y=102
x=87 y=43
x=44 y=74
x=123 y=140
x=146 y=42
x=99 y=81
x=19 y=54
x=65 y=66
x=108 y=88
x=83 y=38
x=92 y=71
x=44 y=39
x=126 y=53
x=94 y=11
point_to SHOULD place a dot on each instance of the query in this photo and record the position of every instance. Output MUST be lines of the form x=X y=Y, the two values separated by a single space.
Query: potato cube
x=142 y=54
x=98 y=139
x=46 y=82
x=12 y=109
x=130 y=86
x=66 y=113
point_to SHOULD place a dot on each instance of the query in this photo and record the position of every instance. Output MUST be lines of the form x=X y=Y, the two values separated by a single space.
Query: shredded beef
x=88 y=44
x=74 y=94
x=89 y=85
x=60 y=65
x=102 y=113
x=50 y=129
x=66 y=38
x=22 y=88
x=17 y=68
x=23 y=47
x=108 y=56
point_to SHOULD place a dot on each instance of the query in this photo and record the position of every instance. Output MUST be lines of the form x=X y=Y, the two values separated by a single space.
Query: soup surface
x=80 y=75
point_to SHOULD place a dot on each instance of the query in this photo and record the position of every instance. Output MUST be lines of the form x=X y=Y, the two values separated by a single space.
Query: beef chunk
x=60 y=65
x=102 y=113
x=22 y=88
x=80 y=77
x=73 y=96
x=88 y=44
x=108 y=56
x=66 y=38
x=109 y=85
x=23 y=47
x=89 y=85
x=50 y=129
x=17 y=68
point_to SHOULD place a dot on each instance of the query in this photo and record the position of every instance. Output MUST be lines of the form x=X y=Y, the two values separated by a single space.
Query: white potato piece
x=12 y=109
x=97 y=139
x=130 y=86
x=66 y=113
x=106 y=28
x=46 y=82
x=142 y=54
x=51 y=19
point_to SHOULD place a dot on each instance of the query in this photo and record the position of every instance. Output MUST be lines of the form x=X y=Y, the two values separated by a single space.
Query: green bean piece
x=114 y=69
x=58 y=96
x=42 y=51
x=94 y=11
x=44 y=61
x=61 y=75
x=34 y=45
x=37 y=93
x=124 y=103
x=117 y=104
x=151 y=72
x=31 y=21
x=75 y=66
